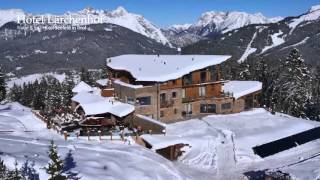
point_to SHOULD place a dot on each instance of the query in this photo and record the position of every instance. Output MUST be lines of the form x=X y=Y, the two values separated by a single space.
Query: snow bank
x=163 y=67
x=242 y=88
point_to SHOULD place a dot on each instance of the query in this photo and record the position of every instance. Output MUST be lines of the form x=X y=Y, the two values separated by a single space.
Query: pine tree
x=28 y=171
x=291 y=91
x=15 y=174
x=67 y=93
x=3 y=170
x=3 y=90
x=84 y=75
x=55 y=166
x=245 y=71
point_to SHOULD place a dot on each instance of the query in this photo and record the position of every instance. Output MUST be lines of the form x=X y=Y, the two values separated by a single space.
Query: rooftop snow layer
x=95 y=104
x=242 y=88
x=82 y=87
x=128 y=85
x=164 y=67
x=103 y=82
x=161 y=141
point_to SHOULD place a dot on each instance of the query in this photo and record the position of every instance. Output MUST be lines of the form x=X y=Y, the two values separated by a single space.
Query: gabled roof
x=242 y=88
x=95 y=104
x=82 y=87
x=163 y=67
x=103 y=82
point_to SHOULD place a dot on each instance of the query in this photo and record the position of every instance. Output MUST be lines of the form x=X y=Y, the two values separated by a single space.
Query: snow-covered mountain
x=10 y=15
x=227 y=21
x=272 y=41
x=212 y=23
x=119 y=16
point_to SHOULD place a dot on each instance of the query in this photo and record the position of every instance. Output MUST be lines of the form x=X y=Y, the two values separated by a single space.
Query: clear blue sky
x=167 y=12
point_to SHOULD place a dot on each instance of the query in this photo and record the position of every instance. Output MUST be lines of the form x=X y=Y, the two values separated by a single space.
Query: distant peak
x=88 y=9
x=276 y=19
x=315 y=8
x=181 y=26
x=120 y=10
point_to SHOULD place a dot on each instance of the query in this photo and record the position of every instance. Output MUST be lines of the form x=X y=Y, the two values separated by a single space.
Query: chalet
x=99 y=112
x=175 y=87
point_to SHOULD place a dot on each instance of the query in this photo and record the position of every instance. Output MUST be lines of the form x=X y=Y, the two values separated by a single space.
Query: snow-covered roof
x=95 y=104
x=82 y=87
x=161 y=141
x=103 y=82
x=146 y=118
x=163 y=67
x=242 y=88
x=127 y=85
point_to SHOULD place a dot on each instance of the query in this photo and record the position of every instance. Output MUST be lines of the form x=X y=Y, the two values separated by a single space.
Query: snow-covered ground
x=95 y=159
x=220 y=147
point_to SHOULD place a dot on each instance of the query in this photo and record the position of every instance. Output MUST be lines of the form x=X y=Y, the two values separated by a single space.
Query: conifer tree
x=55 y=166
x=28 y=171
x=15 y=174
x=3 y=170
x=3 y=91
x=245 y=73
x=291 y=91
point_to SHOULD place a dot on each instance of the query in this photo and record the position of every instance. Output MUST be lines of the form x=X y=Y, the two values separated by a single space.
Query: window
x=203 y=108
x=130 y=100
x=202 y=91
x=207 y=108
x=161 y=114
x=203 y=76
x=211 y=108
x=174 y=94
x=144 y=100
x=183 y=93
x=187 y=79
x=188 y=108
x=214 y=73
x=175 y=111
x=226 y=106
x=174 y=82
x=162 y=97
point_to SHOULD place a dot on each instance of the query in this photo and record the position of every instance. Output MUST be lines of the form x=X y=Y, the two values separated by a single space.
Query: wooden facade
x=195 y=94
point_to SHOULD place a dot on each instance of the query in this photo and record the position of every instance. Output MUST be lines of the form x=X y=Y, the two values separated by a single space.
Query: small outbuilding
x=170 y=147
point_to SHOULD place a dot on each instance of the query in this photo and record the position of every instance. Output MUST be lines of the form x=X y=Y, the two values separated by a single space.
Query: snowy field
x=220 y=147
